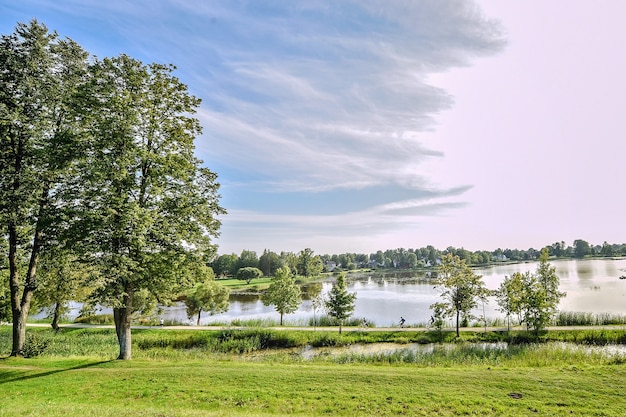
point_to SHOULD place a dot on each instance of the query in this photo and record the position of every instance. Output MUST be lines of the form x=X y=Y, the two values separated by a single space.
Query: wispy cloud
x=313 y=110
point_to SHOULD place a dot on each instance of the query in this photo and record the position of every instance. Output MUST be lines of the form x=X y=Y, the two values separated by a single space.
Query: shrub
x=95 y=319
x=35 y=345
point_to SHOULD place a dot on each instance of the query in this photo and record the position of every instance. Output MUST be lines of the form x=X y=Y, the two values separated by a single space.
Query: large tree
x=149 y=208
x=248 y=273
x=283 y=293
x=309 y=264
x=460 y=287
x=269 y=263
x=340 y=303
x=40 y=75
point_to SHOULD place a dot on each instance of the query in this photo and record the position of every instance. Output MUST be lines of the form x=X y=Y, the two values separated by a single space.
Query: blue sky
x=353 y=126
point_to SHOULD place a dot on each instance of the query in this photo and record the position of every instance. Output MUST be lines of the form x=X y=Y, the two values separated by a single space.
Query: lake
x=592 y=285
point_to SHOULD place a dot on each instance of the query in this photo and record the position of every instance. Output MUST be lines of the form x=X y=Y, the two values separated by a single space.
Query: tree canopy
x=98 y=156
x=340 y=303
x=460 y=288
x=40 y=75
x=207 y=296
x=283 y=293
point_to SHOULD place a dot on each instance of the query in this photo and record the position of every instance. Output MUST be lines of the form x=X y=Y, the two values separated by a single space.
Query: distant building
x=330 y=266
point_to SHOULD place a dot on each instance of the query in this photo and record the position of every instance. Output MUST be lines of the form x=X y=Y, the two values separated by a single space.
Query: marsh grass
x=571 y=318
x=536 y=355
x=170 y=344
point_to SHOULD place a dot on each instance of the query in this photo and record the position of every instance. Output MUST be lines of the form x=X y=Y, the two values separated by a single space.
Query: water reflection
x=591 y=285
x=374 y=349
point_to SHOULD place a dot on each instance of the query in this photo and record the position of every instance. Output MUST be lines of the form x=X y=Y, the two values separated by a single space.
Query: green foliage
x=39 y=146
x=309 y=264
x=581 y=248
x=283 y=293
x=541 y=295
x=208 y=296
x=340 y=303
x=460 y=289
x=509 y=295
x=247 y=259
x=225 y=265
x=269 y=263
x=95 y=319
x=570 y=318
x=248 y=273
x=36 y=344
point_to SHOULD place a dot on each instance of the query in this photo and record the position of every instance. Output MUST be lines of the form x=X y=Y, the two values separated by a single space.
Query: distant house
x=372 y=264
x=330 y=266
x=500 y=258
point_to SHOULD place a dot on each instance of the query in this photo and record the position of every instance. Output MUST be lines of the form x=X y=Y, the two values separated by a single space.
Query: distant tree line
x=307 y=263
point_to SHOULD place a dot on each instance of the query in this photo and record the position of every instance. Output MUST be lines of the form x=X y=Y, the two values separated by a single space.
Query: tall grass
x=573 y=318
x=536 y=355
x=171 y=344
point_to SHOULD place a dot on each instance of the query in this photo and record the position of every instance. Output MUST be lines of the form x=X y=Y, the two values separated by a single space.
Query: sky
x=365 y=125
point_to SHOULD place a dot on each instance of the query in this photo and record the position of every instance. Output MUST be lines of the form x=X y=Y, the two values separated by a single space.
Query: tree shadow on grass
x=47 y=373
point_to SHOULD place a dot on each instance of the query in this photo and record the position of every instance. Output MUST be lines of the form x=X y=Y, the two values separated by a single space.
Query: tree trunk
x=340 y=324
x=19 y=325
x=55 y=317
x=281 y=318
x=199 y=312
x=20 y=306
x=457 y=323
x=19 y=332
x=122 y=318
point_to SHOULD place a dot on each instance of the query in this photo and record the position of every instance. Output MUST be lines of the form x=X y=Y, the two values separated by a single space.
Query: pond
x=592 y=285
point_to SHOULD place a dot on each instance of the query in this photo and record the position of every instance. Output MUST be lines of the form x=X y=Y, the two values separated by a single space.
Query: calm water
x=591 y=285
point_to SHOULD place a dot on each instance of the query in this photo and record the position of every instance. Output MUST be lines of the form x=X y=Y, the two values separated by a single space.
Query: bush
x=95 y=319
x=35 y=344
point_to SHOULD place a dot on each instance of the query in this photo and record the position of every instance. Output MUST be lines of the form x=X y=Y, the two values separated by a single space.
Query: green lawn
x=71 y=387
x=183 y=373
x=239 y=285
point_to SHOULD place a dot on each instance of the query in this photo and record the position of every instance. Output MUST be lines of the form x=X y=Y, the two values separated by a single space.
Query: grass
x=88 y=387
x=257 y=372
x=569 y=318
x=258 y=284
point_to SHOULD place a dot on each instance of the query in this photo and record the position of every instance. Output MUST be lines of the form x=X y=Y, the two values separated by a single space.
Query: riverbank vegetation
x=163 y=343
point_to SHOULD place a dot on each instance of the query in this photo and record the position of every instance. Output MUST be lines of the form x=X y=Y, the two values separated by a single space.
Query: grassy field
x=182 y=373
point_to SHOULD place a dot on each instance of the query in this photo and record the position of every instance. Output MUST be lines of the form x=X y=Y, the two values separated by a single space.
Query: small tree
x=460 y=287
x=340 y=303
x=61 y=278
x=206 y=296
x=541 y=294
x=509 y=296
x=249 y=273
x=533 y=296
x=283 y=293
x=437 y=320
